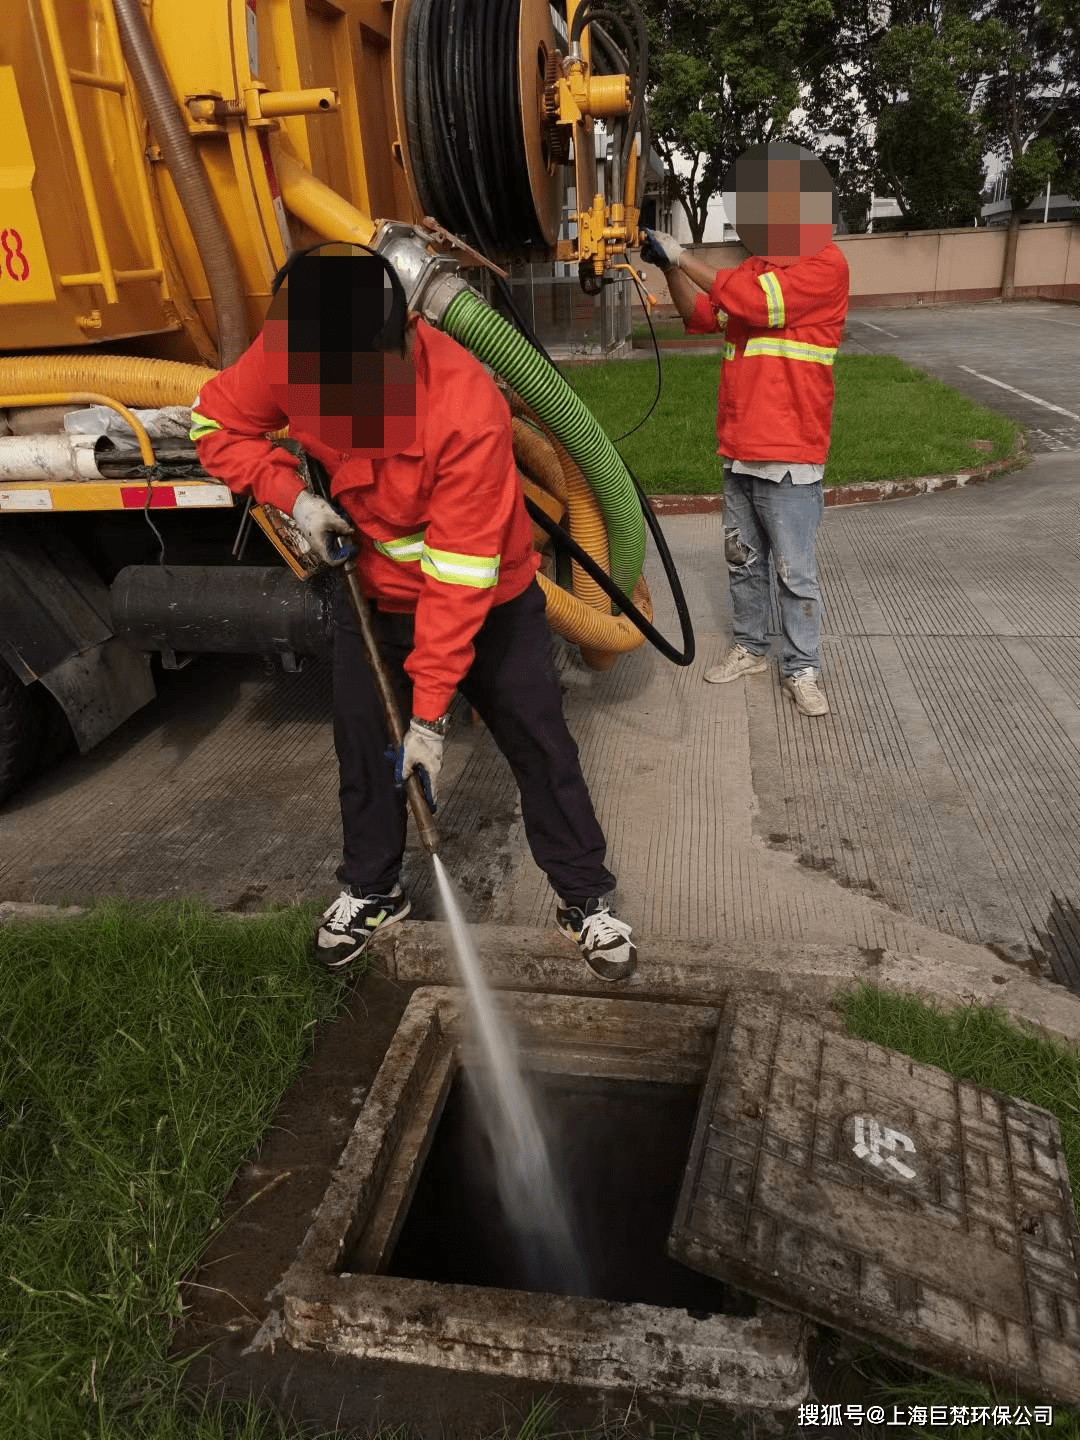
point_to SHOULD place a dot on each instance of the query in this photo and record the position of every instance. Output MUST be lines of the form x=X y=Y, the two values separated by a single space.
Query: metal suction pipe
x=189 y=177
x=425 y=826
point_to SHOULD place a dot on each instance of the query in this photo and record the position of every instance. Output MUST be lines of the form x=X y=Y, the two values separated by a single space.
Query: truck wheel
x=20 y=731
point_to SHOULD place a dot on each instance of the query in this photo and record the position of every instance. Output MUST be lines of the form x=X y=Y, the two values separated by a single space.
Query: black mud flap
x=886 y=1199
x=55 y=628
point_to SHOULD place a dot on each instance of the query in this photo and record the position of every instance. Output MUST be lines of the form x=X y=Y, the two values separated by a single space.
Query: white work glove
x=660 y=248
x=318 y=521
x=422 y=750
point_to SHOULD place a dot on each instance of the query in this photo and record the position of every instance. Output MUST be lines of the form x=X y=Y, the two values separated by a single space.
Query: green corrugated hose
x=492 y=339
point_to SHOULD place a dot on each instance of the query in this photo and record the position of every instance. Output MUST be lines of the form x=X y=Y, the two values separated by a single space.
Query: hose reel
x=482 y=155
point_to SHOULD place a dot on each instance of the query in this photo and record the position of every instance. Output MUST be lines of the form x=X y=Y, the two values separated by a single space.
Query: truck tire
x=20 y=731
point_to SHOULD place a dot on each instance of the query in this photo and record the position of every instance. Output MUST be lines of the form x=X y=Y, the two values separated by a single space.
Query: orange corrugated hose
x=584 y=617
x=142 y=384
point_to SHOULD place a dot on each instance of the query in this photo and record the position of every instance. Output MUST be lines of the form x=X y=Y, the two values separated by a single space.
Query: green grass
x=144 y=1050
x=890 y=421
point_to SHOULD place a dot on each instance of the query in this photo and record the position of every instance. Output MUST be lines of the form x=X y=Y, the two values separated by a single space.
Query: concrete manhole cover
x=885 y=1198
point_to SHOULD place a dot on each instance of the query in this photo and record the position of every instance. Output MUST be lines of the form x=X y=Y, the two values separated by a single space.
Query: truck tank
x=161 y=161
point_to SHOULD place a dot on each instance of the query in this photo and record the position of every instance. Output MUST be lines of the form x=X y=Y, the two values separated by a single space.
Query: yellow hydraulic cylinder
x=296 y=102
x=320 y=207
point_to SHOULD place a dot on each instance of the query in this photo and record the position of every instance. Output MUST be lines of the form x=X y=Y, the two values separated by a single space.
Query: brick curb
x=863 y=493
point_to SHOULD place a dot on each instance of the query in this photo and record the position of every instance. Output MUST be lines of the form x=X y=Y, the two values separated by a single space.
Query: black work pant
x=513 y=686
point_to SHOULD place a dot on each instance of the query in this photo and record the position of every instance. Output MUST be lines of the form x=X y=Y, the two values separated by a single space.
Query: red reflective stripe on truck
x=163 y=497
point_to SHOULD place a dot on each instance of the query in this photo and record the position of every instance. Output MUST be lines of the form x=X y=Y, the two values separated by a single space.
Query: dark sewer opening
x=620 y=1148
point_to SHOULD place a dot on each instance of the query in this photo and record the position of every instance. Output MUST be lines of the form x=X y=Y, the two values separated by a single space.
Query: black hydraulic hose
x=187 y=174
x=636 y=57
x=463 y=114
x=659 y=375
x=619 y=64
x=638 y=51
x=596 y=572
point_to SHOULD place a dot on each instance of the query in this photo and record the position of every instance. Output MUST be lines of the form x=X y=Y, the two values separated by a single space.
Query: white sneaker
x=805 y=693
x=603 y=940
x=738 y=661
x=349 y=924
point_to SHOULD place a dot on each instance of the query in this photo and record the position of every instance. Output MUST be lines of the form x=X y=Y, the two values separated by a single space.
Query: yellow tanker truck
x=160 y=160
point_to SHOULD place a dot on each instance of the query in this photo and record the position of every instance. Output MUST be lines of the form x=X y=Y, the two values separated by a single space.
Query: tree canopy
x=909 y=99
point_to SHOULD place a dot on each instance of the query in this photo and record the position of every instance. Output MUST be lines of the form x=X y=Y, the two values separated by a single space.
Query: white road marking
x=890 y=333
x=1013 y=390
x=1050 y=320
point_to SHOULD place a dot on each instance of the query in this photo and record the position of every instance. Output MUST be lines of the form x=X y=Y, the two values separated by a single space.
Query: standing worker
x=416 y=440
x=786 y=306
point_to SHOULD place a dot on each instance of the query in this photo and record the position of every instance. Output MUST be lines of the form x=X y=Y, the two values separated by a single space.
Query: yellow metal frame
x=604 y=231
x=106 y=275
x=308 y=148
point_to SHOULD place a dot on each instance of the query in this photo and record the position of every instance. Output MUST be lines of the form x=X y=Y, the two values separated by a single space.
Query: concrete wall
x=927 y=267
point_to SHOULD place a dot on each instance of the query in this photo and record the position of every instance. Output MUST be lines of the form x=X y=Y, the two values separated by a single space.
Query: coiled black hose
x=463 y=118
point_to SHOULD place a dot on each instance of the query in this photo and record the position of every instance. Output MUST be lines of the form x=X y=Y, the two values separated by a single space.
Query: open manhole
x=409 y=1258
x=748 y=1142
x=621 y=1148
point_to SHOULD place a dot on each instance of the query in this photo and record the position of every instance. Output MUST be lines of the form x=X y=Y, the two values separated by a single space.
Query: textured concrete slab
x=949 y=783
x=336 y=1297
x=885 y=1197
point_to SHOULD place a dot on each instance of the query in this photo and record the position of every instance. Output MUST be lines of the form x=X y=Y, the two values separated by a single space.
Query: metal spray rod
x=425 y=826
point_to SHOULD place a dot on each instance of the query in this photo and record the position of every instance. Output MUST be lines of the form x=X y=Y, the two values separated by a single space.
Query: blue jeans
x=763 y=518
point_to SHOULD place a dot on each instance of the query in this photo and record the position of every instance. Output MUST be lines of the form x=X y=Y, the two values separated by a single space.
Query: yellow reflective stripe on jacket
x=790 y=350
x=408 y=547
x=774 y=299
x=479 y=571
x=729 y=351
x=201 y=425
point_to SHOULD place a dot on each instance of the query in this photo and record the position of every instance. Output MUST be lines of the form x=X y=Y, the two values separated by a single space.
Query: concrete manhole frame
x=595 y=1345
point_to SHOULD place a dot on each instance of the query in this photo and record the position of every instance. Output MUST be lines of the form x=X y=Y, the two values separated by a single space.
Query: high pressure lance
x=316 y=479
x=425 y=825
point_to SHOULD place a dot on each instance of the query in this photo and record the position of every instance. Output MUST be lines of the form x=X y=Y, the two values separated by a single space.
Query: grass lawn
x=143 y=1052
x=890 y=421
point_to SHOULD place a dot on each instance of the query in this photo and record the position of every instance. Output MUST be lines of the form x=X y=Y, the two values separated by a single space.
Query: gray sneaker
x=805 y=693
x=737 y=661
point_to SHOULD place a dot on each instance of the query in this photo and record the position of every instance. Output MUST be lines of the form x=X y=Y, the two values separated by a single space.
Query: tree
x=1033 y=104
x=901 y=100
x=724 y=76
x=841 y=98
x=932 y=137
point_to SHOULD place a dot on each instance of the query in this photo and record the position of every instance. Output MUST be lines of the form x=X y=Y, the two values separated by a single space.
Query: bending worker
x=786 y=306
x=416 y=440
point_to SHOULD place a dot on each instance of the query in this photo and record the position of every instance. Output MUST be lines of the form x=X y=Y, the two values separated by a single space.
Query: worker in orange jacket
x=785 y=309
x=416 y=440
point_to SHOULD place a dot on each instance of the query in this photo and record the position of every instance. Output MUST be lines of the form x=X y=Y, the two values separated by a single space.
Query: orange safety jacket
x=442 y=526
x=783 y=331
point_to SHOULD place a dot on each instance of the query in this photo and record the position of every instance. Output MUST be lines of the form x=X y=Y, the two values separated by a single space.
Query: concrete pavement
x=933 y=813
